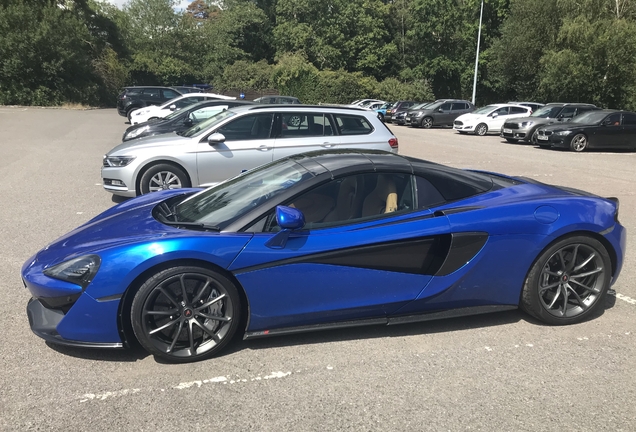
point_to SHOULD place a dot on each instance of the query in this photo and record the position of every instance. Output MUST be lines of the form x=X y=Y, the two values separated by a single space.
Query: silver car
x=237 y=140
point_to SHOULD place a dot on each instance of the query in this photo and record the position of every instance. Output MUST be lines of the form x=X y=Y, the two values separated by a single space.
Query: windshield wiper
x=199 y=225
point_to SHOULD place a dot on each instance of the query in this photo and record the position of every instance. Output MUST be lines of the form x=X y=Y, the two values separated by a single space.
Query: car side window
x=170 y=94
x=249 y=127
x=352 y=124
x=629 y=119
x=445 y=107
x=299 y=125
x=187 y=101
x=427 y=195
x=151 y=93
x=459 y=106
x=518 y=110
x=501 y=111
x=583 y=110
x=567 y=113
x=350 y=199
x=613 y=119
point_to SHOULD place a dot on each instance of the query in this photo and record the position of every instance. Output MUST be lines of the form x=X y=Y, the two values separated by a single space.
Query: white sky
x=119 y=3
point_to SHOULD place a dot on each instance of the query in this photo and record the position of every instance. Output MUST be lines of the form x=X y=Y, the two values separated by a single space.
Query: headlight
x=117 y=161
x=135 y=133
x=419 y=114
x=526 y=124
x=79 y=271
x=565 y=132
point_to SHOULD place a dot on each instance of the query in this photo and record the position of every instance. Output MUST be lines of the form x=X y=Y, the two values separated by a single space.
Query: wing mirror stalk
x=289 y=219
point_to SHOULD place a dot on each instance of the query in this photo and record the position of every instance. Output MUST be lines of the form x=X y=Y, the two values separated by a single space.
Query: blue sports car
x=323 y=240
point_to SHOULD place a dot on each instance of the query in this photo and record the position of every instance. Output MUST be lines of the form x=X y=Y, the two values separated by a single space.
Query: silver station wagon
x=237 y=140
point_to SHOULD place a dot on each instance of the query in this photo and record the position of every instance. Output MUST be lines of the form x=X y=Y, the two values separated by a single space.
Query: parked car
x=602 y=129
x=277 y=100
x=236 y=140
x=142 y=115
x=179 y=121
x=489 y=119
x=442 y=112
x=525 y=129
x=533 y=105
x=374 y=106
x=132 y=98
x=361 y=102
x=382 y=110
x=399 y=118
x=398 y=106
x=187 y=89
x=327 y=239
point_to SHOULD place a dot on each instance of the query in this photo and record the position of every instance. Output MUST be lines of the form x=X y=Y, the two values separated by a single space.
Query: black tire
x=578 y=143
x=533 y=137
x=427 y=122
x=163 y=176
x=512 y=141
x=185 y=314
x=481 y=129
x=573 y=275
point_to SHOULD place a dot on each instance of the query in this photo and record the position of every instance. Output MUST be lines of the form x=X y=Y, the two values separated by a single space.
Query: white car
x=160 y=111
x=489 y=119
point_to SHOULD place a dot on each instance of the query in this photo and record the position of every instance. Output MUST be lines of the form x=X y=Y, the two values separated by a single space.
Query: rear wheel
x=427 y=122
x=481 y=129
x=162 y=177
x=568 y=282
x=578 y=143
x=185 y=313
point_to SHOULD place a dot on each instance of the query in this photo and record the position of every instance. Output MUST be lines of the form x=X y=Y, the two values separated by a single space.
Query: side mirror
x=289 y=219
x=216 y=138
x=188 y=122
x=494 y=115
x=440 y=110
x=173 y=107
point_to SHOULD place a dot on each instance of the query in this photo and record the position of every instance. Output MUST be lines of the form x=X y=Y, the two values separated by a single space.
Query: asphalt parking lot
x=504 y=371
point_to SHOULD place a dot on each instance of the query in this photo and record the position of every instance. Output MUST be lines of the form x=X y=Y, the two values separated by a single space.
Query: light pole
x=481 y=14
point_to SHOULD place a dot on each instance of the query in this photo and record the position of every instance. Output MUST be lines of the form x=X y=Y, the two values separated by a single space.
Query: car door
x=248 y=143
x=443 y=115
x=364 y=254
x=497 y=118
x=299 y=132
x=629 y=130
x=609 y=134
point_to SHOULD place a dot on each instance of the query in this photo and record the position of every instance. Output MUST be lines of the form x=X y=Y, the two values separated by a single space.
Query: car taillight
x=393 y=142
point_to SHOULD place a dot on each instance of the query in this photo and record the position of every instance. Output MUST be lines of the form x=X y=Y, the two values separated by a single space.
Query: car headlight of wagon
x=135 y=133
x=117 y=161
x=563 y=133
x=79 y=271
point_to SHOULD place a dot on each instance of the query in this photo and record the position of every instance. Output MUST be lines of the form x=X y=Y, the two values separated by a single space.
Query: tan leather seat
x=383 y=199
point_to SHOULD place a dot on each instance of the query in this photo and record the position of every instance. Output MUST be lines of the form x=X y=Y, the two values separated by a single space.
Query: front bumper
x=44 y=322
x=521 y=134
x=467 y=128
x=119 y=181
x=554 y=140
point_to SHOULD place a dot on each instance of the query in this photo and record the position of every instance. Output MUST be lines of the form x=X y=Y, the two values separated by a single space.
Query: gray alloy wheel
x=162 y=177
x=568 y=281
x=512 y=141
x=185 y=314
x=481 y=129
x=578 y=143
x=294 y=121
x=427 y=122
x=533 y=138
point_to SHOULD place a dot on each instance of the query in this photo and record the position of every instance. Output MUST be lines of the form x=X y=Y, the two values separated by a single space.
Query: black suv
x=525 y=128
x=398 y=106
x=138 y=97
x=442 y=112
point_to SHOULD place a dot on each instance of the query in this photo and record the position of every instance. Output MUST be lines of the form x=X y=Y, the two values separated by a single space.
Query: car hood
x=471 y=117
x=163 y=140
x=125 y=223
x=534 y=120
x=153 y=121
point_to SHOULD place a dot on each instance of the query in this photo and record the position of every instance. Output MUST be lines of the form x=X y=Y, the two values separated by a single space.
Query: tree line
x=330 y=51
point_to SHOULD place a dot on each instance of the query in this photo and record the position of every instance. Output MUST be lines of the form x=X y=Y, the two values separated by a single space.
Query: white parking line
x=622 y=297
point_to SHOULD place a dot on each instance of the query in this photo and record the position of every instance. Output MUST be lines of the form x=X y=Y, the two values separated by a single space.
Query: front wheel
x=163 y=177
x=578 y=143
x=481 y=129
x=568 y=282
x=427 y=122
x=185 y=314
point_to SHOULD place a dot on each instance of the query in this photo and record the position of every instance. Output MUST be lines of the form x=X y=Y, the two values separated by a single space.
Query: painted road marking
x=622 y=297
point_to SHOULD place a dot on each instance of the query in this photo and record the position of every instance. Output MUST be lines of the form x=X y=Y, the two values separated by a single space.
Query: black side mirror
x=188 y=122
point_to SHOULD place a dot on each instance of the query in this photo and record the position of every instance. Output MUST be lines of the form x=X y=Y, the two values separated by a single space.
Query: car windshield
x=485 y=110
x=433 y=105
x=590 y=117
x=209 y=123
x=222 y=204
x=386 y=106
x=547 y=112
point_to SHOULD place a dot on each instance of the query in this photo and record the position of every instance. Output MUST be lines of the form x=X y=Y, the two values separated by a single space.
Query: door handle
x=327 y=145
x=264 y=148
